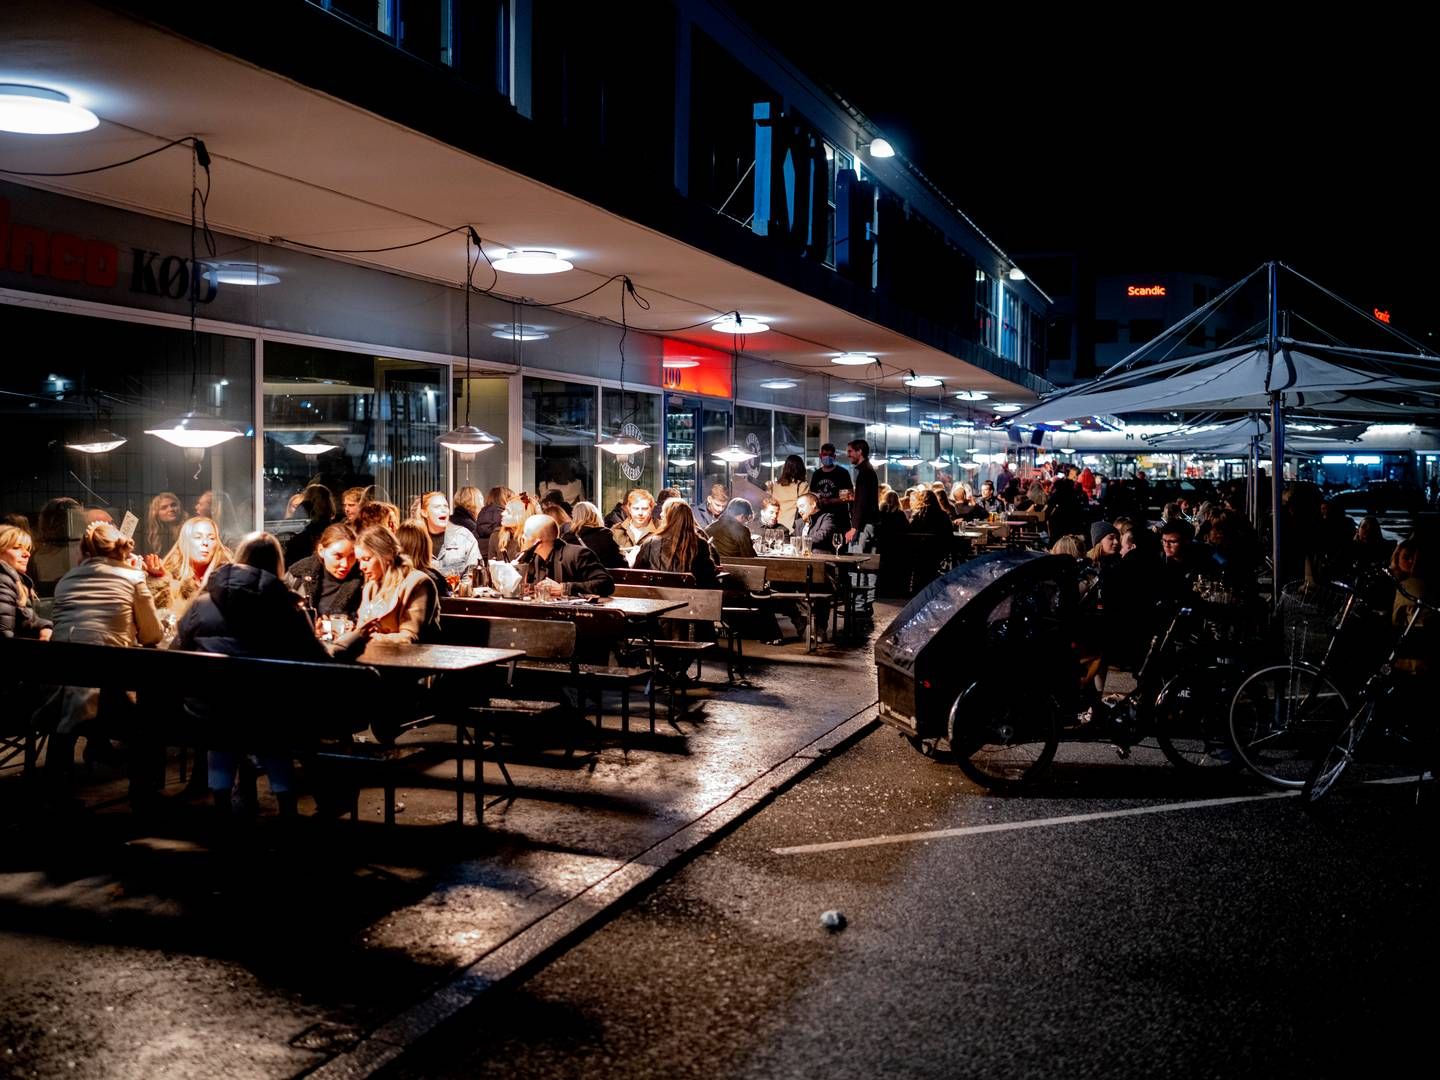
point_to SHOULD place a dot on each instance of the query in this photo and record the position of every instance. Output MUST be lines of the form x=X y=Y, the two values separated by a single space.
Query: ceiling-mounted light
x=735 y=323
x=242 y=274
x=942 y=416
x=1067 y=450
x=853 y=359
x=1006 y=408
x=532 y=261
x=1016 y=274
x=897 y=408
x=734 y=454
x=679 y=362
x=34 y=110
x=940 y=462
x=520 y=332
x=909 y=459
x=623 y=445
x=971 y=395
x=97 y=441
x=881 y=148
x=682 y=462
x=1072 y=426
x=313 y=447
x=195 y=432
x=779 y=384
x=467 y=439
x=847 y=397
x=773 y=464
x=923 y=382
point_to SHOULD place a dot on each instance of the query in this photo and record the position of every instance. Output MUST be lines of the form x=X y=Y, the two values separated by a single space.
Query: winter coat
x=466 y=520
x=17 y=619
x=602 y=543
x=414 y=614
x=245 y=611
x=575 y=567
x=653 y=556
x=105 y=602
x=487 y=521
x=326 y=595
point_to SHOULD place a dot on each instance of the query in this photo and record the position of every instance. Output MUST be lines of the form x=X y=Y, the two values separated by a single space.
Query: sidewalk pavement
x=152 y=952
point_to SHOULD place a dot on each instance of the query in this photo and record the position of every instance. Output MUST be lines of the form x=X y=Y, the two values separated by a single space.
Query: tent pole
x=1252 y=490
x=1277 y=443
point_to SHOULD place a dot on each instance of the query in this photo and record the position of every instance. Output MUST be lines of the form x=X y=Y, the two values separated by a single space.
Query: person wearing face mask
x=827 y=482
x=330 y=579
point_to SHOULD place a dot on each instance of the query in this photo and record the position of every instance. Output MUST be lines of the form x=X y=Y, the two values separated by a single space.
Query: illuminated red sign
x=1144 y=290
x=695 y=369
x=1383 y=316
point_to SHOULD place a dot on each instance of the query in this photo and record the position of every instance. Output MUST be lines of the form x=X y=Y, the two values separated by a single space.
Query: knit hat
x=1099 y=530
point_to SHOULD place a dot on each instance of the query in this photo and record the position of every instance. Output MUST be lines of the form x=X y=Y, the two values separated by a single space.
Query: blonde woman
x=588 y=528
x=465 y=509
x=17 y=591
x=188 y=565
x=162 y=523
x=398 y=604
x=787 y=489
x=505 y=541
x=415 y=543
x=378 y=513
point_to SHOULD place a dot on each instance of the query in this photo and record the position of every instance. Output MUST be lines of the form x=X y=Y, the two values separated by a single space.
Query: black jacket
x=245 y=611
x=466 y=520
x=308 y=578
x=17 y=620
x=301 y=546
x=730 y=538
x=865 y=510
x=652 y=556
x=486 y=522
x=822 y=527
x=575 y=567
x=602 y=543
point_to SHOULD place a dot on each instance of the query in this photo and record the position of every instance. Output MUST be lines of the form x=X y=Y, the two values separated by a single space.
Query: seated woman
x=679 y=547
x=589 y=530
x=17 y=591
x=329 y=581
x=399 y=604
x=891 y=533
x=504 y=542
x=415 y=543
x=246 y=609
x=186 y=568
x=103 y=601
x=162 y=523
x=488 y=518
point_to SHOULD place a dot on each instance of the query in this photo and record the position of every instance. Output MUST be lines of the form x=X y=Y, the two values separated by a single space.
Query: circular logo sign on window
x=632 y=467
x=752 y=467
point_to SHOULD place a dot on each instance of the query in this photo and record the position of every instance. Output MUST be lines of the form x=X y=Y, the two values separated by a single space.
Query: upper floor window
x=836 y=161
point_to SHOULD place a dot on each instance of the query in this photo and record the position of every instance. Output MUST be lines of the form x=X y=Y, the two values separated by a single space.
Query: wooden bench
x=704 y=608
x=663 y=578
x=798 y=582
x=259 y=705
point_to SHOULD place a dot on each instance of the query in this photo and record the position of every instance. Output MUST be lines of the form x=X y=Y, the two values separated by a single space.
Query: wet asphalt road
x=1247 y=939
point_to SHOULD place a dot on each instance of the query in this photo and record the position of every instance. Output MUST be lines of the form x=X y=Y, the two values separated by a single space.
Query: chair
x=661 y=578
x=795 y=579
x=704 y=608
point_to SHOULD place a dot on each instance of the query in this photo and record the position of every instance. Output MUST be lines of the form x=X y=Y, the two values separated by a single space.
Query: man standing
x=453 y=550
x=828 y=481
x=865 y=498
x=730 y=533
x=559 y=569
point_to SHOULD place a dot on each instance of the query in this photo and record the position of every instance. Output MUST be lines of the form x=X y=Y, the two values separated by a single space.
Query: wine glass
x=837 y=540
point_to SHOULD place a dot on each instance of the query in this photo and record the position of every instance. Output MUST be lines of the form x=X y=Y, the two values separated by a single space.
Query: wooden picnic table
x=423 y=659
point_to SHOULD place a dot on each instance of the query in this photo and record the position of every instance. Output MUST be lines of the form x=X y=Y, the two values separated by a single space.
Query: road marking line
x=1035 y=823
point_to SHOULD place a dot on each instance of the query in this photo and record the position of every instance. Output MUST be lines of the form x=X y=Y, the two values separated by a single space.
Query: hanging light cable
x=196 y=432
x=622 y=443
x=468 y=440
x=734 y=454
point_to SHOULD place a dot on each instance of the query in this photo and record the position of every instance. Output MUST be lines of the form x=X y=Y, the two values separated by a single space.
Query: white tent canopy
x=1242 y=379
x=1234 y=437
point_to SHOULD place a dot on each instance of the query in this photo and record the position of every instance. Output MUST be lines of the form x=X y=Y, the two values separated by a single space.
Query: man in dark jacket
x=730 y=533
x=865 y=502
x=812 y=522
x=560 y=569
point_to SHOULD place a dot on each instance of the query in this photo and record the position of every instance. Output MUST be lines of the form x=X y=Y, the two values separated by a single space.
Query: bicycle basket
x=1309 y=611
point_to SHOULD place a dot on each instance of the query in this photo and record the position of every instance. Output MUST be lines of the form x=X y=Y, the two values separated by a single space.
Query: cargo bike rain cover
x=948 y=598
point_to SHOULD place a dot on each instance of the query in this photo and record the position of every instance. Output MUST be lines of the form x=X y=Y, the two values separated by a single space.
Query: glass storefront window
x=752 y=432
x=790 y=438
x=349 y=420
x=639 y=415
x=489 y=410
x=560 y=432
x=123 y=377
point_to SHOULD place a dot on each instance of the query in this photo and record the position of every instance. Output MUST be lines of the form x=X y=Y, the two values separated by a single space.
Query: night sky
x=1212 y=150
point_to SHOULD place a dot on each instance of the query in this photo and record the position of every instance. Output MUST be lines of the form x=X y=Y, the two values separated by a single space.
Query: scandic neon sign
x=1383 y=316
x=1144 y=290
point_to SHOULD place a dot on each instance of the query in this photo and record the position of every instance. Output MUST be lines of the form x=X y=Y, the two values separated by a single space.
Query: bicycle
x=1382 y=683
x=1005 y=734
x=1281 y=714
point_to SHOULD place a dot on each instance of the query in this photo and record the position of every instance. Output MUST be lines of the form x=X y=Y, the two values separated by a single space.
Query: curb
x=562 y=927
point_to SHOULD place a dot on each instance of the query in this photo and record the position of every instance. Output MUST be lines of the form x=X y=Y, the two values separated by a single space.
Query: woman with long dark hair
x=792 y=483
x=679 y=547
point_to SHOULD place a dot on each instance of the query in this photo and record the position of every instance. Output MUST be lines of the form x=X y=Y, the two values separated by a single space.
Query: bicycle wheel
x=1192 y=726
x=1280 y=720
x=1004 y=736
x=1338 y=753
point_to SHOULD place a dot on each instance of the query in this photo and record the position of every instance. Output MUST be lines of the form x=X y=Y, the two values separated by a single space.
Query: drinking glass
x=837 y=541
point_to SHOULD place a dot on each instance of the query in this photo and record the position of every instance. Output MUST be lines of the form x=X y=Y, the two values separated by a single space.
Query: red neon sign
x=1383 y=316
x=1144 y=290
x=705 y=371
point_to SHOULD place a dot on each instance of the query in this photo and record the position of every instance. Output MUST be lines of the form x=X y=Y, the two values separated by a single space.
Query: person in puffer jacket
x=247 y=610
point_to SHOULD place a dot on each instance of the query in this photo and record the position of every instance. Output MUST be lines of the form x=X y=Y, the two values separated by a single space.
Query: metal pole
x=1252 y=484
x=1277 y=442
